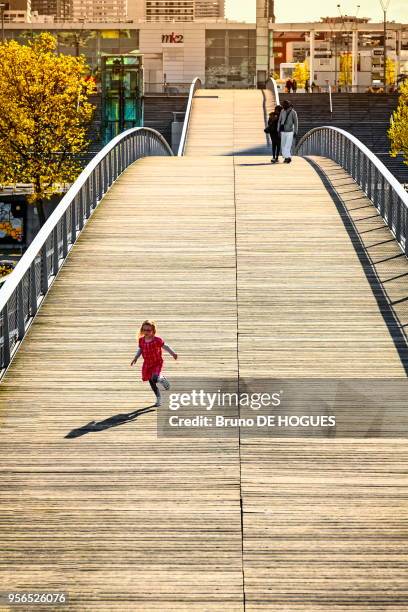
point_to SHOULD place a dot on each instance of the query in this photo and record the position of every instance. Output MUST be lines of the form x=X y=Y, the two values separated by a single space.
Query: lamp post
x=2 y=7
x=385 y=4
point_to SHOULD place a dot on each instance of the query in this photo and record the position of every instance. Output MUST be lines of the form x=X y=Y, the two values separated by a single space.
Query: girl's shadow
x=113 y=421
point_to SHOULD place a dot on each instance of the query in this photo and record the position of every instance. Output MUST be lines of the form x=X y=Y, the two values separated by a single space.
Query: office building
x=169 y=10
x=224 y=54
x=45 y=7
x=98 y=10
x=209 y=8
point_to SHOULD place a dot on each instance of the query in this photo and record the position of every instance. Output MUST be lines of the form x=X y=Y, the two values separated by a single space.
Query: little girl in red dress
x=150 y=347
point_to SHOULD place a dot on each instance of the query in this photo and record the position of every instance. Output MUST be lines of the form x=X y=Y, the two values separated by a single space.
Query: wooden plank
x=230 y=123
x=208 y=245
x=119 y=518
x=323 y=520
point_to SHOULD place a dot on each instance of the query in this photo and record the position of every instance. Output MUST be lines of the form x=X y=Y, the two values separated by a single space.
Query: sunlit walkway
x=249 y=271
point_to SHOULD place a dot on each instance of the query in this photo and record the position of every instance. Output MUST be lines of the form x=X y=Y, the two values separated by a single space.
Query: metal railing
x=381 y=187
x=26 y=287
x=168 y=89
x=272 y=85
x=195 y=85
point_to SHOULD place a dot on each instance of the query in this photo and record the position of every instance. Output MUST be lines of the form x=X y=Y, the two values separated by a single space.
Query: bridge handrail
x=26 y=287
x=274 y=88
x=196 y=84
x=378 y=183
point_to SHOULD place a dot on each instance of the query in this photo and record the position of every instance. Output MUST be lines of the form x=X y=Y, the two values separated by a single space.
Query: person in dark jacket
x=294 y=85
x=274 y=133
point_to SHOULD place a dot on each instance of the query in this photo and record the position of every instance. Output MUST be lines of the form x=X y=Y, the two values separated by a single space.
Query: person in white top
x=288 y=126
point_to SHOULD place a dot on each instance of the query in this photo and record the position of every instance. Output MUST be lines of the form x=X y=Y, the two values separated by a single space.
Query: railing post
x=390 y=211
x=406 y=233
x=369 y=179
x=94 y=190
x=33 y=290
x=73 y=221
x=81 y=209
x=382 y=197
x=20 y=311
x=85 y=195
x=44 y=269
x=64 y=236
x=55 y=258
x=358 y=163
x=100 y=183
x=6 y=337
x=398 y=212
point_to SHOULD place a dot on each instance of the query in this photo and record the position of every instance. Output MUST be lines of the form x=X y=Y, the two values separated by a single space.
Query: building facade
x=224 y=54
x=209 y=8
x=169 y=10
x=45 y=7
x=98 y=10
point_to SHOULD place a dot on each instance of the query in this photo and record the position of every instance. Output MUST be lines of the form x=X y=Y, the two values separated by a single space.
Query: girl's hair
x=147 y=322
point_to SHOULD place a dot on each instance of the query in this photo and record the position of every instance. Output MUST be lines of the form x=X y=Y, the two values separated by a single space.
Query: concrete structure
x=262 y=42
x=226 y=54
x=17 y=11
x=175 y=10
x=209 y=8
x=98 y=10
x=136 y=10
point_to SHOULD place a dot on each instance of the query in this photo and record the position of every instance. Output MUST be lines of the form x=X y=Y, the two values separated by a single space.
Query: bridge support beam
x=263 y=44
x=311 y=55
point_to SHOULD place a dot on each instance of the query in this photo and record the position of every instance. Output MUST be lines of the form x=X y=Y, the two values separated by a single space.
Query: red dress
x=152 y=357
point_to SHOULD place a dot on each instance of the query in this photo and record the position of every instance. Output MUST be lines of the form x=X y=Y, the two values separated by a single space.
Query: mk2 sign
x=172 y=39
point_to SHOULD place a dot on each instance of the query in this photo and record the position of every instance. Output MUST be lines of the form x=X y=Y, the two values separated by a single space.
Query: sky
x=295 y=11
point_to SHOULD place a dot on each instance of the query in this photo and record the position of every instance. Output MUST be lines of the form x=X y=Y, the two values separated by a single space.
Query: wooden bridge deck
x=250 y=272
x=229 y=122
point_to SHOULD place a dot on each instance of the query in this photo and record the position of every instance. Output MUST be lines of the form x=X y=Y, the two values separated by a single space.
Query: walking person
x=289 y=85
x=150 y=348
x=288 y=127
x=307 y=86
x=274 y=133
x=294 y=85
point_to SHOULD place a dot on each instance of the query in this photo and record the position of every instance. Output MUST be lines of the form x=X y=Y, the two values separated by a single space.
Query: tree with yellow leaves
x=398 y=132
x=346 y=67
x=301 y=73
x=44 y=116
x=390 y=71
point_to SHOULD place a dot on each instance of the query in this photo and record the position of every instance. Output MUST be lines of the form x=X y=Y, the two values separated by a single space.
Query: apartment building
x=169 y=10
x=209 y=8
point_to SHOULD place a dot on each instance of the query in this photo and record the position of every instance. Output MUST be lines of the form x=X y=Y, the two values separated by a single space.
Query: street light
x=385 y=4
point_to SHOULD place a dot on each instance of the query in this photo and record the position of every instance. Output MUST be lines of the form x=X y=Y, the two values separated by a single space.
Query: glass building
x=230 y=58
x=90 y=43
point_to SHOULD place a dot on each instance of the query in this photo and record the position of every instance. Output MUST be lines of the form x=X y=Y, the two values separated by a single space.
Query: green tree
x=398 y=132
x=301 y=73
x=44 y=116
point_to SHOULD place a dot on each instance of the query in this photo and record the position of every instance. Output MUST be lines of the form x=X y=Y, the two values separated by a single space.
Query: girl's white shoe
x=157 y=404
x=163 y=381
